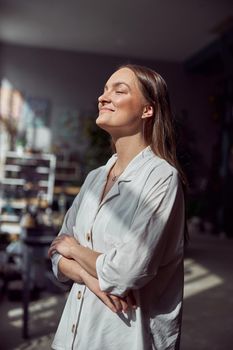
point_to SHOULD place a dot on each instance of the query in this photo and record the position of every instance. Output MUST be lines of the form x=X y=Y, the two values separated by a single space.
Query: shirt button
x=88 y=237
x=79 y=295
x=73 y=328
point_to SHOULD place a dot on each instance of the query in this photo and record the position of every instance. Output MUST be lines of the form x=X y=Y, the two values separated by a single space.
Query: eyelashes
x=120 y=92
x=108 y=93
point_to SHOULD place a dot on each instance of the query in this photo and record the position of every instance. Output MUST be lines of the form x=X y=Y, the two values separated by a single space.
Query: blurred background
x=55 y=57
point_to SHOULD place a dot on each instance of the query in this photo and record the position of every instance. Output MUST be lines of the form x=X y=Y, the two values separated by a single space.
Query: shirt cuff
x=55 y=260
x=105 y=284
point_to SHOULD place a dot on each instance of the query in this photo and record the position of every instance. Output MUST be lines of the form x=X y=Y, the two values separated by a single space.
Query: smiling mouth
x=106 y=110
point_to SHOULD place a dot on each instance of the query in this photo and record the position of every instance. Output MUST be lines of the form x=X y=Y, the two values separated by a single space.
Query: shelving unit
x=23 y=177
x=67 y=177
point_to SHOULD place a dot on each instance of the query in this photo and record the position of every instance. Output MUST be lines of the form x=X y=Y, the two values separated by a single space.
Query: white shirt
x=139 y=228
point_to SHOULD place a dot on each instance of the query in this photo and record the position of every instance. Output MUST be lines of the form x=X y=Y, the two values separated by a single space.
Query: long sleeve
x=154 y=237
x=67 y=228
x=138 y=228
x=70 y=221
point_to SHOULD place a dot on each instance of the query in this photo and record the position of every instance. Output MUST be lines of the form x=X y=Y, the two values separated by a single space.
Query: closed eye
x=120 y=92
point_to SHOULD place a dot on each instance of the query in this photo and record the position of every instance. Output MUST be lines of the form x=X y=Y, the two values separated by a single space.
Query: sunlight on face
x=121 y=104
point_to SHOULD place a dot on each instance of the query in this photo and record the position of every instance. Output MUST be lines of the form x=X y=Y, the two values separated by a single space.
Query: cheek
x=126 y=104
x=132 y=109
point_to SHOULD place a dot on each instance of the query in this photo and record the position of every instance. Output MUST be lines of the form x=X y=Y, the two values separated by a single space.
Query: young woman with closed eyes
x=121 y=242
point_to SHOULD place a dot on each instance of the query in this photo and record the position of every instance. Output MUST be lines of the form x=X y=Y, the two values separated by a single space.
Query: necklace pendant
x=114 y=178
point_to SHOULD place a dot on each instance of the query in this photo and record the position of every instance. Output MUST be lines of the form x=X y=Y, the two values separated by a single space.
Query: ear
x=148 y=112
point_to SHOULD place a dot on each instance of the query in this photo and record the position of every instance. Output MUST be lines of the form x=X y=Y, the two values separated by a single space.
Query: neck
x=127 y=148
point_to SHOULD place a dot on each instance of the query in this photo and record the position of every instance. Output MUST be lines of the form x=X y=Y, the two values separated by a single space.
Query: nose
x=105 y=97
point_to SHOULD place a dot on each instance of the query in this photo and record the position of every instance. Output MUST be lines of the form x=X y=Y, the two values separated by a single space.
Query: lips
x=106 y=110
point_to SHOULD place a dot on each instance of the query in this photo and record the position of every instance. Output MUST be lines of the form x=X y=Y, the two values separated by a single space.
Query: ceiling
x=171 y=30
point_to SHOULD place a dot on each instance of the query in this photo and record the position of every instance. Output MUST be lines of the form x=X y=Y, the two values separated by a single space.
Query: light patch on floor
x=42 y=315
x=198 y=279
x=34 y=307
x=38 y=310
x=41 y=343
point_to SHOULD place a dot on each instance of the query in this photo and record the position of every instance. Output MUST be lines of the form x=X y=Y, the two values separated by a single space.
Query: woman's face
x=122 y=104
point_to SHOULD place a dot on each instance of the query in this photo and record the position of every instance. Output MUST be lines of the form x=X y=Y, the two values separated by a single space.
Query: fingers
x=131 y=301
x=51 y=251
x=107 y=301
x=119 y=303
x=59 y=241
x=124 y=304
x=52 y=248
x=113 y=302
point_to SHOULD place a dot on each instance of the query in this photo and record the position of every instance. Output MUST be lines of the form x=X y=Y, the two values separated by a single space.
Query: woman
x=122 y=240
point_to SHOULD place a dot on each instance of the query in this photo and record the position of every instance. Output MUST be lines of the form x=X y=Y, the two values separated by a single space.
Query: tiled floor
x=208 y=306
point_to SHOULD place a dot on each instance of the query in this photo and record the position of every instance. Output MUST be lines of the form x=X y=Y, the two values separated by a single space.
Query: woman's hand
x=114 y=303
x=63 y=244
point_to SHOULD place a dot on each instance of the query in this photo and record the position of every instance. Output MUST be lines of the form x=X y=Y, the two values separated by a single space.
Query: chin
x=103 y=125
x=102 y=121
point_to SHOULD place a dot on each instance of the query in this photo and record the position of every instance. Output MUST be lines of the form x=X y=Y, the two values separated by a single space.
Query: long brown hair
x=159 y=130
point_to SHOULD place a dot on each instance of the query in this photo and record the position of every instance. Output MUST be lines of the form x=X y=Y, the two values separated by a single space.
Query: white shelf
x=30 y=156
x=11 y=167
x=15 y=204
x=9 y=218
x=11 y=228
x=42 y=170
x=8 y=181
x=28 y=169
x=43 y=183
x=37 y=172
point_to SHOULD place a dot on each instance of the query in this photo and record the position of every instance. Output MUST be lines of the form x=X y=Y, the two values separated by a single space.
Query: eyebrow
x=117 y=84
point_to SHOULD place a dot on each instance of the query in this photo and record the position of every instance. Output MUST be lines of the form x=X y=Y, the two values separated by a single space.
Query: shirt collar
x=132 y=168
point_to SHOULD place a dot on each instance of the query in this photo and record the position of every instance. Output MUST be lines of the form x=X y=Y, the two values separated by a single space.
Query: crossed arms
x=157 y=227
x=78 y=264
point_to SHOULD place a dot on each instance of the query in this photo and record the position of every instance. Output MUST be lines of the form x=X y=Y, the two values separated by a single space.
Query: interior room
x=55 y=59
